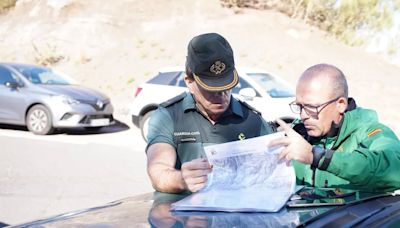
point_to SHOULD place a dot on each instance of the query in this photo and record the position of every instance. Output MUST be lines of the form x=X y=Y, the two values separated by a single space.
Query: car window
x=6 y=76
x=241 y=85
x=271 y=85
x=181 y=81
x=166 y=78
x=42 y=76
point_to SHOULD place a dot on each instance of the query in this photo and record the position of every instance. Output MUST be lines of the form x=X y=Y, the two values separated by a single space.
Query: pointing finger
x=282 y=123
x=284 y=141
x=286 y=127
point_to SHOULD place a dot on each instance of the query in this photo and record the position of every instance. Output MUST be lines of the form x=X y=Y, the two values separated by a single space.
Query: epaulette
x=173 y=100
x=249 y=107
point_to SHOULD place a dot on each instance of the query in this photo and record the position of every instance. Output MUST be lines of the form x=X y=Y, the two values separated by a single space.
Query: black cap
x=210 y=58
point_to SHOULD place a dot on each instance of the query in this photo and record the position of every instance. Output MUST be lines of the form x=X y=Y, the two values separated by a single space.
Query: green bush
x=342 y=18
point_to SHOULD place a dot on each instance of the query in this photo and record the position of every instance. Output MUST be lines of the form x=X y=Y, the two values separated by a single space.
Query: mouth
x=309 y=127
x=217 y=102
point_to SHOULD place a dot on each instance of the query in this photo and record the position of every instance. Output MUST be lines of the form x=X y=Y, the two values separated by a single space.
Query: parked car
x=359 y=209
x=43 y=100
x=265 y=92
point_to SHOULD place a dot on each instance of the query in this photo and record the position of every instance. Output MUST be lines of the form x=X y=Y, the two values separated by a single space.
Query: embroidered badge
x=241 y=136
x=374 y=132
x=217 y=67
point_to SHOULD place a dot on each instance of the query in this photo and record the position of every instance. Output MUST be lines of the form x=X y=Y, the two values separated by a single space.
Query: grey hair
x=334 y=74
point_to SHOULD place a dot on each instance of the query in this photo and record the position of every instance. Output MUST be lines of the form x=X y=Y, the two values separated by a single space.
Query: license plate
x=99 y=122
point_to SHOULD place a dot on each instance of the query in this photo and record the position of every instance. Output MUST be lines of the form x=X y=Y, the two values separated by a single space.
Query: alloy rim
x=38 y=120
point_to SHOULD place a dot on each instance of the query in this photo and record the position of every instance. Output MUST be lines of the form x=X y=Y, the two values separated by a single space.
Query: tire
x=93 y=128
x=39 y=120
x=144 y=124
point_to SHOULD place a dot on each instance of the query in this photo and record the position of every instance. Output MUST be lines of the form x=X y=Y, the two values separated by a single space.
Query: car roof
x=22 y=65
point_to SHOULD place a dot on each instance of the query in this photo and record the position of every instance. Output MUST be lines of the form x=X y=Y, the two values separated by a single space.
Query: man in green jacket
x=335 y=143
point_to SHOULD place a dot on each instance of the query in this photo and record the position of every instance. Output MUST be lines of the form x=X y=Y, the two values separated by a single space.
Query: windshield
x=271 y=85
x=43 y=76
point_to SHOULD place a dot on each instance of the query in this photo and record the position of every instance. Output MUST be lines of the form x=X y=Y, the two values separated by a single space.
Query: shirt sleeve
x=161 y=128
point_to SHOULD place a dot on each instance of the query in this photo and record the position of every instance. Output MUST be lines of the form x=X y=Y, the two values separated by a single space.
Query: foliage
x=6 y=4
x=342 y=18
x=46 y=55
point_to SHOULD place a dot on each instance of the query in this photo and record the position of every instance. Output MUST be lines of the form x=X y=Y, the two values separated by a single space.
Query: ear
x=189 y=83
x=341 y=105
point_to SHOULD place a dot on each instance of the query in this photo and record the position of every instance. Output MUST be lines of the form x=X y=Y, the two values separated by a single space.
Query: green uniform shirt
x=180 y=124
x=366 y=157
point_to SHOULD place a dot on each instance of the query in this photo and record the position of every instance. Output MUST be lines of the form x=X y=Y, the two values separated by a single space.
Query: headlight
x=67 y=100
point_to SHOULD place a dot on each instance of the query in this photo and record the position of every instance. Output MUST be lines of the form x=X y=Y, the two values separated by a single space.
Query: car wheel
x=144 y=124
x=39 y=120
x=93 y=128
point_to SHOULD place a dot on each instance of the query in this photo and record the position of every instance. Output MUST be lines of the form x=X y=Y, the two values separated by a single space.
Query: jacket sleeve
x=374 y=164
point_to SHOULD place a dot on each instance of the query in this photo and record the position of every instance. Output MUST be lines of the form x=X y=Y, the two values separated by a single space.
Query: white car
x=268 y=94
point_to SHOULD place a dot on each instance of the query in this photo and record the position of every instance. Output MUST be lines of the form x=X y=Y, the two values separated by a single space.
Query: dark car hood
x=77 y=92
x=154 y=210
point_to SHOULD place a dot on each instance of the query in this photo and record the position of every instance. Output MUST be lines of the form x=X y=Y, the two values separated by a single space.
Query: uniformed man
x=344 y=146
x=208 y=114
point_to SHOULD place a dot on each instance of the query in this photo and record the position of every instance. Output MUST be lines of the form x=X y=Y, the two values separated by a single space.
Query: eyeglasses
x=311 y=110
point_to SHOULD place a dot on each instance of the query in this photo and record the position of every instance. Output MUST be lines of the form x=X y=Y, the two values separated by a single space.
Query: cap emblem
x=217 y=67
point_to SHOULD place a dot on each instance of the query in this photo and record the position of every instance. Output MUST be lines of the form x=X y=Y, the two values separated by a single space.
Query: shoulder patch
x=374 y=132
x=249 y=107
x=173 y=100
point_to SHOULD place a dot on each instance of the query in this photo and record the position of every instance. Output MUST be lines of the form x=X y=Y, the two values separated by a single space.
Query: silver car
x=44 y=100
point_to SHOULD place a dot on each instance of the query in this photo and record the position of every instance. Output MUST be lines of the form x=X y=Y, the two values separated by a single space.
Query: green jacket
x=366 y=157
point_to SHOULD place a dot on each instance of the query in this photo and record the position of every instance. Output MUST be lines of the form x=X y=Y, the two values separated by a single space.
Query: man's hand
x=194 y=173
x=296 y=147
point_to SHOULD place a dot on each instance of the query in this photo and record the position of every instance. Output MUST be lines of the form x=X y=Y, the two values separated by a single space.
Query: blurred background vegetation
x=345 y=19
x=375 y=24
x=6 y=4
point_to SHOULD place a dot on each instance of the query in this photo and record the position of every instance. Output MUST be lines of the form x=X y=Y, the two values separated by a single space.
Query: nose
x=303 y=114
x=218 y=93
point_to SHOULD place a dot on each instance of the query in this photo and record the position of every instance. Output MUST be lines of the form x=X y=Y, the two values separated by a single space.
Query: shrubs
x=6 y=4
x=342 y=18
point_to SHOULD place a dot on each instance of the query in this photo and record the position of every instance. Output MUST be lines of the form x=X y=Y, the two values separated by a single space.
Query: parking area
x=72 y=170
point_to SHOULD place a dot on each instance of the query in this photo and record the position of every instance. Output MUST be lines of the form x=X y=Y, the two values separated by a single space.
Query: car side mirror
x=12 y=85
x=247 y=93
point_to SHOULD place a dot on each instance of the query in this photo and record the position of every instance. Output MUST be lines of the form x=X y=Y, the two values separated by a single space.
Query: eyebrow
x=309 y=105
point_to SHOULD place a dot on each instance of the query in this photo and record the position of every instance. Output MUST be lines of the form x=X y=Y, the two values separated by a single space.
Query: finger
x=282 y=124
x=197 y=173
x=283 y=154
x=283 y=141
x=199 y=163
x=196 y=187
x=196 y=180
x=286 y=127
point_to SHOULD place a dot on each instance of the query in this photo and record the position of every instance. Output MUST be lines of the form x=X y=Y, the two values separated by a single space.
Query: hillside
x=116 y=45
